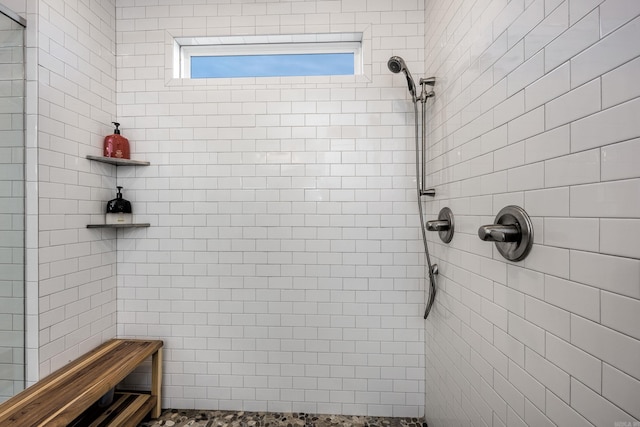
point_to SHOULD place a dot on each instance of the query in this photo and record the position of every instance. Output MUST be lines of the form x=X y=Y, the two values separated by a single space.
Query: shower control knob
x=499 y=233
x=438 y=225
x=444 y=225
x=512 y=233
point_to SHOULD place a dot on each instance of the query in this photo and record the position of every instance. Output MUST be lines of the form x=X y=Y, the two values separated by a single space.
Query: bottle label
x=118 y=218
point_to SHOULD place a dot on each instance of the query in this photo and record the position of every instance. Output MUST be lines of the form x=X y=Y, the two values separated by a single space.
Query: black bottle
x=119 y=210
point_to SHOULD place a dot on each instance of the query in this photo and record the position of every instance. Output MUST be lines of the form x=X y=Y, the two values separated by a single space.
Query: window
x=269 y=56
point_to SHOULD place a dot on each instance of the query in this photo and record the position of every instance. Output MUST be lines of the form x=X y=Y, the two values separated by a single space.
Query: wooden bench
x=66 y=394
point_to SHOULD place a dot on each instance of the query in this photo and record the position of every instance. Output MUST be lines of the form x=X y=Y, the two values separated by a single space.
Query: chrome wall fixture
x=444 y=225
x=424 y=95
x=512 y=233
x=396 y=65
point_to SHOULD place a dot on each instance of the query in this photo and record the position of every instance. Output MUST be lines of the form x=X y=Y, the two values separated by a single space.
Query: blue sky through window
x=278 y=65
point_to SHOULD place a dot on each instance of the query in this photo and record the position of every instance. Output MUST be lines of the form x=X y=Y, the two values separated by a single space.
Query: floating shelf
x=118 y=162
x=136 y=225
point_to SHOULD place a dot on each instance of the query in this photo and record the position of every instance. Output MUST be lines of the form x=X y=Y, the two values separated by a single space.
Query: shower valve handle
x=499 y=233
x=438 y=225
x=512 y=232
x=444 y=225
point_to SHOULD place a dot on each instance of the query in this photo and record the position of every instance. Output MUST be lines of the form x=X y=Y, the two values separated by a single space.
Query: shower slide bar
x=424 y=95
x=396 y=65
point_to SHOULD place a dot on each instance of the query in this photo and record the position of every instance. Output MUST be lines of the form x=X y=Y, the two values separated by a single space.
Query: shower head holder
x=431 y=81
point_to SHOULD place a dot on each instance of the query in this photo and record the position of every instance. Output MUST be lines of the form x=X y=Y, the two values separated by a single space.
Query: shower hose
x=430 y=268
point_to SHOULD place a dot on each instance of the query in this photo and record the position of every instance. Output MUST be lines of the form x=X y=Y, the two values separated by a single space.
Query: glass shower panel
x=12 y=213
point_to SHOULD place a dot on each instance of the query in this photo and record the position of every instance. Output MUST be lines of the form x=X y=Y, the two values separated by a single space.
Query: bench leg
x=156 y=382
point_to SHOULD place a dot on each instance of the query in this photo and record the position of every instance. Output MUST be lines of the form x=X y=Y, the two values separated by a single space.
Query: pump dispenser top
x=116 y=145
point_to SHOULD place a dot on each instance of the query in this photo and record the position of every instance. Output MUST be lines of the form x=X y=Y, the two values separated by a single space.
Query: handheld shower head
x=397 y=64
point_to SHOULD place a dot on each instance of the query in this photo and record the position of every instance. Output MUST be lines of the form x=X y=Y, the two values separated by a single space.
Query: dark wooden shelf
x=118 y=162
x=136 y=225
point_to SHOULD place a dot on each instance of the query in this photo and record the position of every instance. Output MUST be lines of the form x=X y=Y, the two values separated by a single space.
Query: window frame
x=188 y=47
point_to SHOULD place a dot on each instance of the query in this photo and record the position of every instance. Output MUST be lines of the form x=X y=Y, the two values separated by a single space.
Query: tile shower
x=283 y=266
x=11 y=208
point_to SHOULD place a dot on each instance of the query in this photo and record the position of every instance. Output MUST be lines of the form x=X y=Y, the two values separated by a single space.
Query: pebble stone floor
x=195 y=418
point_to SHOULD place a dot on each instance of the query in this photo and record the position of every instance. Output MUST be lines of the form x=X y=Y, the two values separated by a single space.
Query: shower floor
x=195 y=418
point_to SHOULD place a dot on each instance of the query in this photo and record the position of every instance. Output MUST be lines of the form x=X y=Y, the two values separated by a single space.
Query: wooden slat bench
x=58 y=399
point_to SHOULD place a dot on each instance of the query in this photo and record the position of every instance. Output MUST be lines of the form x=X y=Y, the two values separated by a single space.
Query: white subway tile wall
x=75 y=105
x=12 y=223
x=545 y=94
x=283 y=266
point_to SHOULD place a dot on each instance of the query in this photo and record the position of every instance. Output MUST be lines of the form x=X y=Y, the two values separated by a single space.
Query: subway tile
x=595 y=408
x=510 y=346
x=608 y=126
x=527 y=281
x=574 y=361
x=574 y=297
x=531 y=17
x=509 y=394
x=556 y=380
x=513 y=419
x=578 y=36
x=509 y=157
x=534 y=416
x=552 y=26
x=497 y=404
x=610 y=52
x=563 y=414
x=619 y=86
x=548 y=202
x=621 y=388
x=621 y=314
x=492 y=183
x=579 y=168
x=620 y=237
x=547 y=259
x=509 y=109
x=615 y=274
x=494 y=313
x=548 y=317
x=548 y=87
x=510 y=299
x=526 y=332
x=547 y=145
x=527 y=177
x=525 y=74
x=614 y=348
x=617 y=160
x=490 y=50
x=577 y=10
x=506 y=16
x=572 y=233
x=577 y=103
x=527 y=125
x=614 y=13
x=608 y=199
x=494 y=96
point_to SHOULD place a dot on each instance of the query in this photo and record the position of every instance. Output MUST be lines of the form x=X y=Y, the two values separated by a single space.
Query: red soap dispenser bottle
x=116 y=145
